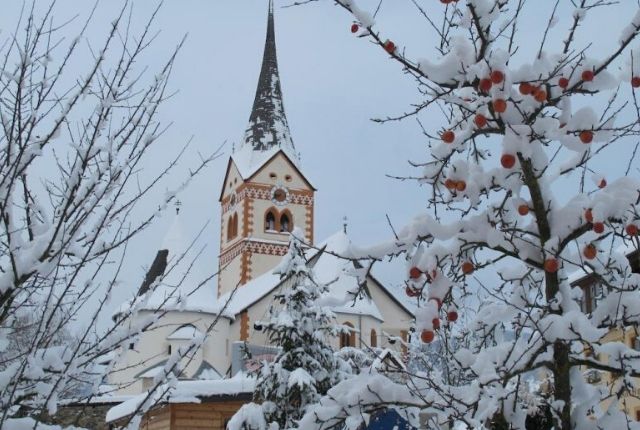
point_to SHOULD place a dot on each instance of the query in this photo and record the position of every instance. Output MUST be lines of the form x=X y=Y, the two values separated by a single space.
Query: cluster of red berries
x=427 y=336
x=537 y=92
x=455 y=185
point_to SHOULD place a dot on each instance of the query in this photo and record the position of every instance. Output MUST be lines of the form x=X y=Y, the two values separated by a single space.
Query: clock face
x=280 y=196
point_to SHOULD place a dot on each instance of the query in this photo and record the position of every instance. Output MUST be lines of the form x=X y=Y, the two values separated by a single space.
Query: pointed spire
x=268 y=125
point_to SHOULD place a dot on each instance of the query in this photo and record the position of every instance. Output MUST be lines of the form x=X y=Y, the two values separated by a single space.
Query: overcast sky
x=333 y=83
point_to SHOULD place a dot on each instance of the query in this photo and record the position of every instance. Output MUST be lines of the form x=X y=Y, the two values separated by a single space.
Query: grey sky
x=333 y=83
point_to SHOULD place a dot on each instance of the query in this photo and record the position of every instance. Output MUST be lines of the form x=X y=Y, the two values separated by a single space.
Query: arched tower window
x=374 y=338
x=348 y=338
x=269 y=221
x=285 y=222
x=232 y=227
x=235 y=224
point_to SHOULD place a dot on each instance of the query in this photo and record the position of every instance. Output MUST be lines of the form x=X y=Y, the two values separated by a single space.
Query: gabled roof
x=329 y=268
x=250 y=167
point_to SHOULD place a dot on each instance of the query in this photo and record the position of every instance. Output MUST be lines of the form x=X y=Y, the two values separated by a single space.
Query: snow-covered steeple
x=268 y=128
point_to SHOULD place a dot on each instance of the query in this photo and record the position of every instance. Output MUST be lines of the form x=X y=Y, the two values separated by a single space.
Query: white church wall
x=284 y=174
x=153 y=348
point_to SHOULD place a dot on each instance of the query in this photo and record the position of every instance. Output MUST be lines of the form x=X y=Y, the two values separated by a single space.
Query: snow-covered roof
x=339 y=273
x=185 y=332
x=186 y=392
x=328 y=268
x=249 y=293
x=179 y=289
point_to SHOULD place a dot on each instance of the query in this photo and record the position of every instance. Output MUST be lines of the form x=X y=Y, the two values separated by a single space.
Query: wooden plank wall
x=191 y=416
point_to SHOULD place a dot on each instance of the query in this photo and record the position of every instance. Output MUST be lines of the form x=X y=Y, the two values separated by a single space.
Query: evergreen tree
x=306 y=365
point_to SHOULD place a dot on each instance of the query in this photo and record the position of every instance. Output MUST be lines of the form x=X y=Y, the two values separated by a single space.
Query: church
x=204 y=328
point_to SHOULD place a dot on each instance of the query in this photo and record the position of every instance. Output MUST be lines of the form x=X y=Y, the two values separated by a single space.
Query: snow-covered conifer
x=306 y=365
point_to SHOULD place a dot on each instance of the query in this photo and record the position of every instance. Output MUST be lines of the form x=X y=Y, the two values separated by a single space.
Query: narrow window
x=374 y=338
x=270 y=221
x=169 y=349
x=348 y=338
x=285 y=225
x=232 y=227
x=235 y=225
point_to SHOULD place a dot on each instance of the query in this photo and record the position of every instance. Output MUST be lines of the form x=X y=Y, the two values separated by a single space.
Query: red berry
x=598 y=227
x=448 y=136
x=452 y=316
x=540 y=95
x=586 y=136
x=497 y=76
x=450 y=184
x=354 y=28
x=389 y=46
x=480 y=120
x=461 y=186
x=635 y=81
x=551 y=265
x=427 y=336
x=587 y=75
x=523 y=210
x=499 y=105
x=508 y=161
x=436 y=323
x=588 y=215
x=467 y=267
x=632 y=230
x=485 y=85
x=525 y=88
x=603 y=183
x=412 y=292
x=590 y=252
x=415 y=273
x=563 y=83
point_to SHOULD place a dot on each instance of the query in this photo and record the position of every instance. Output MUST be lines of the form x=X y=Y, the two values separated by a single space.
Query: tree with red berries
x=523 y=203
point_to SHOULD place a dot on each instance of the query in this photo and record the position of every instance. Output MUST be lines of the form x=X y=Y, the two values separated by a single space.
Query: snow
x=179 y=288
x=186 y=392
x=186 y=332
x=339 y=273
x=329 y=268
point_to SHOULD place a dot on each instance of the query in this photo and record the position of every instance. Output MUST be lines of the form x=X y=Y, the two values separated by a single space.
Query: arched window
x=374 y=339
x=232 y=227
x=285 y=223
x=348 y=338
x=235 y=225
x=270 y=221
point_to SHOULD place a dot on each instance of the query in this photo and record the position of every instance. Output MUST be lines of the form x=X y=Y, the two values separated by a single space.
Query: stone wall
x=85 y=416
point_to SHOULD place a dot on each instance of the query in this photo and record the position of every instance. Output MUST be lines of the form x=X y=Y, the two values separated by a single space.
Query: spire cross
x=344 y=225
x=177 y=205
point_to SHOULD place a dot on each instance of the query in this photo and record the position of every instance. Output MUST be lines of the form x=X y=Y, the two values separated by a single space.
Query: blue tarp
x=388 y=420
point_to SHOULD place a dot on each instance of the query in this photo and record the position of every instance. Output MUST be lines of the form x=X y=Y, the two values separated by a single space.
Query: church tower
x=265 y=195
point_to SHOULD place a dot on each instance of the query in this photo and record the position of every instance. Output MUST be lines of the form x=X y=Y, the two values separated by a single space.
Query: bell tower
x=265 y=195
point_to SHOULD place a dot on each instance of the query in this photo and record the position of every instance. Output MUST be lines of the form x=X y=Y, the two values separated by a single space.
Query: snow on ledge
x=186 y=392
